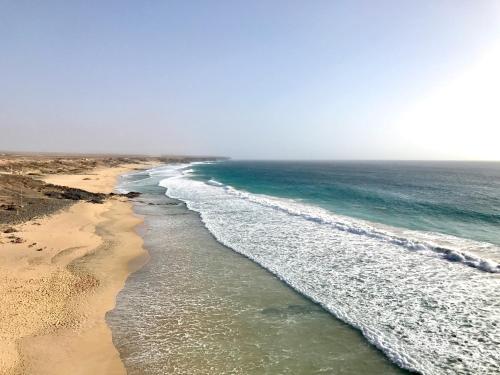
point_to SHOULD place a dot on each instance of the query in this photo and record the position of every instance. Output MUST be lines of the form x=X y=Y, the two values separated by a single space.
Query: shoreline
x=214 y=310
x=416 y=325
x=58 y=285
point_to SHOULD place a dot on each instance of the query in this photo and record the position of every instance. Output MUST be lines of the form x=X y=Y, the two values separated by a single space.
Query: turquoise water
x=456 y=198
x=407 y=253
x=199 y=308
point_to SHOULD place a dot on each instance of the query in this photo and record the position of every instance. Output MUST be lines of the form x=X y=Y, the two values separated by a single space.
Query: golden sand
x=56 y=287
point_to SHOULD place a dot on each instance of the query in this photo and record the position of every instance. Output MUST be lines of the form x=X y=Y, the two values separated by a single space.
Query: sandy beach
x=60 y=274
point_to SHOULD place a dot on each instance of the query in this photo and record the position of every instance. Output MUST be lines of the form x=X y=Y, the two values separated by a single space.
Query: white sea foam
x=427 y=314
x=169 y=170
x=433 y=244
x=127 y=179
x=359 y=227
x=214 y=183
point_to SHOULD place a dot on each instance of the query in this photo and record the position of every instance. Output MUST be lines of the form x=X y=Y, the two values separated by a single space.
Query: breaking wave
x=411 y=294
x=359 y=227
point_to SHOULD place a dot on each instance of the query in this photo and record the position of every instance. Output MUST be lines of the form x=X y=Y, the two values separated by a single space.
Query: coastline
x=57 y=292
x=209 y=309
x=418 y=326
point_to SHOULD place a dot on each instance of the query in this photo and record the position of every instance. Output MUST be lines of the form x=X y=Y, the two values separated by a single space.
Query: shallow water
x=420 y=297
x=427 y=300
x=198 y=307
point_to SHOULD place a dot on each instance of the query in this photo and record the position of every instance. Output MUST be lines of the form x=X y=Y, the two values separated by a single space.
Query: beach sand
x=58 y=283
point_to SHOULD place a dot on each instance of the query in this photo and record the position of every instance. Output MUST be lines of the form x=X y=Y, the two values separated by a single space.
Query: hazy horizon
x=256 y=159
x=288 y=80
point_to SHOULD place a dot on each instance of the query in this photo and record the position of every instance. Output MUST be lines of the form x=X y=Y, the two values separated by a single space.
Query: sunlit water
x=428 y=300
x=198 y=307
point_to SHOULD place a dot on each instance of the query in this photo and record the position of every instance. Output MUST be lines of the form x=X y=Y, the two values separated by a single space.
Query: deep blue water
x=456 y=198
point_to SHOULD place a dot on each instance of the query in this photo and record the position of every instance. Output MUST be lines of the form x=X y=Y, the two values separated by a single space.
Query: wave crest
x=359 y=227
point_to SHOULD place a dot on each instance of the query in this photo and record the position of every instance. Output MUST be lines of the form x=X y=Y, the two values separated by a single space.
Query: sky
x=256 y=79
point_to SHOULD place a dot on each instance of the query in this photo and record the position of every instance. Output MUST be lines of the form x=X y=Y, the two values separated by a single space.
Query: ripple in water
x=426 y=313
x=199 y=308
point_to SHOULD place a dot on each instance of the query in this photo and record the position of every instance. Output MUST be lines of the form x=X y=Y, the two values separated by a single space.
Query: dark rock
x=73 y=195
x=76 y=195
x=95 y=200
x=10 y=230
x=53 y=194
x=132 y=194
x=9 y=207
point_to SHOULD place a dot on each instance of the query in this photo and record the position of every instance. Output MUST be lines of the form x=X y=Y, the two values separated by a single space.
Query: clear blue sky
x=252 y=79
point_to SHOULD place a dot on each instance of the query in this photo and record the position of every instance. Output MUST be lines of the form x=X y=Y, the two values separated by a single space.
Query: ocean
x=404 y=254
